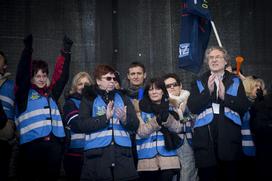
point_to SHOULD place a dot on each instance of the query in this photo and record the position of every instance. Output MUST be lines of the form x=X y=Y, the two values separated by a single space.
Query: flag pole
x=216 y=34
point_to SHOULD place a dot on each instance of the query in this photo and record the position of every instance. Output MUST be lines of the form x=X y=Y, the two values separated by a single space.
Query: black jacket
x=113 y=160
x=221 y=139
x=3 y=116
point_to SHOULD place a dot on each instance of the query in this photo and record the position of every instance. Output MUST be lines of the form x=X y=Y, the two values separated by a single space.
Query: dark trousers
x=72 y=166
x=161 y=175
x=224 y=171
x=5 y=154
x=40 y=160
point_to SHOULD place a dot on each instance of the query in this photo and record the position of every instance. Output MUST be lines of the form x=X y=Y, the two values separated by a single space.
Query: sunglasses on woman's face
x=109 y=78
x=168 y=86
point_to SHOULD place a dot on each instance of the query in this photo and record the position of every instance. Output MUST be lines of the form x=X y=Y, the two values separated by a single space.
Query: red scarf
x=43 y=91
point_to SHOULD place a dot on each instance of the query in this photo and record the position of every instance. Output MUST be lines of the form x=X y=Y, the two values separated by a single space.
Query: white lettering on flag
x=184 y=49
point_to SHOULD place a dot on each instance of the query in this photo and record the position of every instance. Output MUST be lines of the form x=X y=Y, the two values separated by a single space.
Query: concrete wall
x=118 y=32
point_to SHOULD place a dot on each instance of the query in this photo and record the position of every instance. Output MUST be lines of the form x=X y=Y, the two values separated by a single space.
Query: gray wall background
x=118 y=32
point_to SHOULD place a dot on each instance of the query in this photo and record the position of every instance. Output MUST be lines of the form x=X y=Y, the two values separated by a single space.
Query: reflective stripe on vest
x=206 y=116
x=115 y=130
x=36 y=121
x=77 y=139
x=248 y=145
x=154 y=144
x=7 y=98
x=233 y=91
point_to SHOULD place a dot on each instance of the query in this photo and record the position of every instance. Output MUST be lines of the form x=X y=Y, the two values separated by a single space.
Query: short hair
x=4 y=57
x=136 y=64
x=76 y=78
x=157 y=82
x=39 y=65
x=102 y=69
x=221 y=49
x=172 y=75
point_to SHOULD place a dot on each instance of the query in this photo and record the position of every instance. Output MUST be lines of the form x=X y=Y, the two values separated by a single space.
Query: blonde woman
x=73 y=158
x=254 y=88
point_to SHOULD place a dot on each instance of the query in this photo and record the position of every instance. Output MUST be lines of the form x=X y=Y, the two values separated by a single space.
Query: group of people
x=140 y=129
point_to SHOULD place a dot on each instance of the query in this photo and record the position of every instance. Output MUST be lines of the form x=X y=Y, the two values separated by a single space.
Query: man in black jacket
x=218 y=98
x=261 y=126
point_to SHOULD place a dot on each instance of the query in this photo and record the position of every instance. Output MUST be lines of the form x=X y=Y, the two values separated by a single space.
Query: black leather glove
x=67 y=44
x=28 y=40
x=259 y=94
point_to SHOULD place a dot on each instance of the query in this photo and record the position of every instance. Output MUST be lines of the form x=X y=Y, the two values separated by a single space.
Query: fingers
x=211 y=82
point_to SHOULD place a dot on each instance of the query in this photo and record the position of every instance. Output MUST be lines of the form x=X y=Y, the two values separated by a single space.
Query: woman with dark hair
x=106 y=116
x=73 y=156
x=38 y=118
x=178 y=98
x=156 y=145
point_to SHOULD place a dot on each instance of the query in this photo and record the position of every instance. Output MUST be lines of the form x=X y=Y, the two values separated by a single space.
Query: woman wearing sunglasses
x=178 y=101
x=106 y=116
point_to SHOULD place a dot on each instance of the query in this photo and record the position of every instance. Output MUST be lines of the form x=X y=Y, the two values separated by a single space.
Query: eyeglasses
x=109 y=78
x=215 y=58
x=168 y=86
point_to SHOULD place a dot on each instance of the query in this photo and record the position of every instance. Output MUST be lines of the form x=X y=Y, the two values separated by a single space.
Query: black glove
x=162 y=117
x=89 y=92
x=28 y=40
x=259 y=94
x=67 y=44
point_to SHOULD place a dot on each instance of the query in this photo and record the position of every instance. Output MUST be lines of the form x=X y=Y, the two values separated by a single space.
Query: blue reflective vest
x=153 y=145
x=114 y=132
x=248 y=145
x=187 y=128
x=206 y=116
x=77 y=139
x=7 y=98
x=40 y=118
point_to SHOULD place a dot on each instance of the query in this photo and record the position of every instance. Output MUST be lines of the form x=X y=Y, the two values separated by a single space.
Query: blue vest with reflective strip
x=206 y=116
x=114 y=132
x=40 y=118
x=153 y=145
x=248 y=145
x=186 y=129
x=7 y=98
x=77 y=139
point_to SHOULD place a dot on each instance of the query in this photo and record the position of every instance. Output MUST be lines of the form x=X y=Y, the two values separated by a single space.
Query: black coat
x=261 y=127
x=221 y=139
x=113 y=160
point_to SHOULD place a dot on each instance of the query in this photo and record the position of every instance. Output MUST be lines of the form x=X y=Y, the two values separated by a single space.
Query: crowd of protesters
x=138 y=129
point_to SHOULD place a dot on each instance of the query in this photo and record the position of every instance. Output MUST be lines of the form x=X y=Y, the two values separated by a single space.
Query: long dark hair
x=158 y=83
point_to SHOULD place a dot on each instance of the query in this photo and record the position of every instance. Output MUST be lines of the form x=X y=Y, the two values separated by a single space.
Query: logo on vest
x=35 y=96
x=184 y=49
x=101 y=111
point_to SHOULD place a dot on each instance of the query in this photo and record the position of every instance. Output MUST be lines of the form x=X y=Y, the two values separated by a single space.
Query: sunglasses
x=109 y=78
x=168 y=86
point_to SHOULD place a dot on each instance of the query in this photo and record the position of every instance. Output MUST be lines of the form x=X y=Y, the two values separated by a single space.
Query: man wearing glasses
x=218 y=98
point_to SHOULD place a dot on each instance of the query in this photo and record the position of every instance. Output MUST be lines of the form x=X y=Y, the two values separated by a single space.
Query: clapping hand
x=121 y=114
x=109 y=111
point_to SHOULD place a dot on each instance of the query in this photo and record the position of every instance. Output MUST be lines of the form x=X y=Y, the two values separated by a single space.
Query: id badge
x=216 y=108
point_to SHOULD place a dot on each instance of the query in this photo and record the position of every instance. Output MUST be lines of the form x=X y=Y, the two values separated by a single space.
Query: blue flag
x=194 y=34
